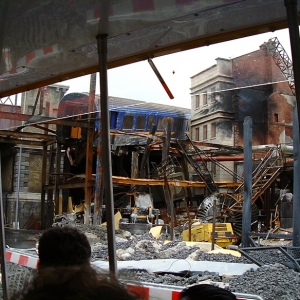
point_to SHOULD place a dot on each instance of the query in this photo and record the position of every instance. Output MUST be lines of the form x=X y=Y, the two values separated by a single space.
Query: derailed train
x=126 y=116
x=132 y=122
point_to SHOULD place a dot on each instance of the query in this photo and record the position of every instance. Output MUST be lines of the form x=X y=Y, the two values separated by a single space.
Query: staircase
x=264 y=174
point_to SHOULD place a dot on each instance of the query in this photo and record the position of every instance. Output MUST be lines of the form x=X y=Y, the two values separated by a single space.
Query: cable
x=240 y=88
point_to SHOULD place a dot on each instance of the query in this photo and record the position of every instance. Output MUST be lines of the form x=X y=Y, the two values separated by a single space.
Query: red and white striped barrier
x=21 y=259
x=30 y=57
x=154 y=292
x=146 y=292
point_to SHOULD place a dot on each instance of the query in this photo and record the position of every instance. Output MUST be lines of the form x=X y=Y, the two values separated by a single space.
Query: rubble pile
x=269 y=281
x=183 y=279
x=142 y=247
x=272 y=281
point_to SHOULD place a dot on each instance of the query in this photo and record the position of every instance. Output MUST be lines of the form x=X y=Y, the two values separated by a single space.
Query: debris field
x=270 y=281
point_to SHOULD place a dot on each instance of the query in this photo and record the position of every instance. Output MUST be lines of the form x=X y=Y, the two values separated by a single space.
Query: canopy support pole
x=106 y=153
x=2 y=237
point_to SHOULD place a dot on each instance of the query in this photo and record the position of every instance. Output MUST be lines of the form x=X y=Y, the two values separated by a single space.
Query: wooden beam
x=183 y=183
x=24 y=135
x=32 y=120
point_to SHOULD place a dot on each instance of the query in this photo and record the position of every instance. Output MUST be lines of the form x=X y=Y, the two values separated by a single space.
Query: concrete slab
x=175 y=265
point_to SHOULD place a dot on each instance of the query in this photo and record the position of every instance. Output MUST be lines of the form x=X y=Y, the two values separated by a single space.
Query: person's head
x=63 y=246
x=206 y=292
x=73 y=282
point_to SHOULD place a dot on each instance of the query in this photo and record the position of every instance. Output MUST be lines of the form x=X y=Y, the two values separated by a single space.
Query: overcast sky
x=138 y=81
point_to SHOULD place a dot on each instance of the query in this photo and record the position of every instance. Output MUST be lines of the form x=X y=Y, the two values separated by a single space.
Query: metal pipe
x=296 y=186
x=213 y=233
x=286 y=149
x=163 y=83
x=106 y=153
x=293 y=25
x=43 y=192
x=221 y=158
x=2 y=236
x=263 y=147
x=98 y=199
x=18 y=189
x=247 y=181
x=89 y=151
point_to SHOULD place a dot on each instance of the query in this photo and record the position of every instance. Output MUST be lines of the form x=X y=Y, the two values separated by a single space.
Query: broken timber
x=183 y=183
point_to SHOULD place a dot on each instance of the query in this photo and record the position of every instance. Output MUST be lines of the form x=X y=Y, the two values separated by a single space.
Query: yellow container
x=224 y=235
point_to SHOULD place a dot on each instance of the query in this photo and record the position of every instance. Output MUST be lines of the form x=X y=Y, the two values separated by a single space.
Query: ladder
x=264 y=174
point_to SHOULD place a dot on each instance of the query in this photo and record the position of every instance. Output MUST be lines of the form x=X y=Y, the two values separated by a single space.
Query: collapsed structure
x=160 y=174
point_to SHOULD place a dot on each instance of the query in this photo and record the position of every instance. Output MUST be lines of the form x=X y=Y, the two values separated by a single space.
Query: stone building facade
x=22 y=165
x=224 y=94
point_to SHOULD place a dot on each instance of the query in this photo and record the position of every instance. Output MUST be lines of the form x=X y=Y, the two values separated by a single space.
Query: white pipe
x=19 y=173
x=286 y=149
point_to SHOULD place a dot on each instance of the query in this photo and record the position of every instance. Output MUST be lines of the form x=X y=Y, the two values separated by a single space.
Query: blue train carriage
x=130 y=120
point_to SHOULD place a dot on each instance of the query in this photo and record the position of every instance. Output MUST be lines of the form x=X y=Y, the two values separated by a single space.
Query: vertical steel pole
x=3 y=252
x=247 y=181
x=89 y=151
x=293 y=24
x=43 y=192
x=57 y=177
x=296 y=186
x=167 y=192
x=107 y=172
x=18 y=189
x=98 y=201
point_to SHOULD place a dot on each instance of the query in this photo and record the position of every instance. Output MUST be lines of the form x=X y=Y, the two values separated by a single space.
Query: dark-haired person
x=63 y=246
x=206 y=292
x=65 y=273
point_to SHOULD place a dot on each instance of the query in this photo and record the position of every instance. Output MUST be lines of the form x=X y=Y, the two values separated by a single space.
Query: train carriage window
x=140 y=122
x=151 y=121
x=128 y=122
x=172 y=123
x=180 y=124
x=113 y=119
x=161 y=123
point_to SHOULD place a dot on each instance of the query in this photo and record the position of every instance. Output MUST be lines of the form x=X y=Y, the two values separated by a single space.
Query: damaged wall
x=269 y=105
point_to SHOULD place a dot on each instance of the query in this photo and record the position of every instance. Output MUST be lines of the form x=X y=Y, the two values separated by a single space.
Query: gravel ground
x=270 y=281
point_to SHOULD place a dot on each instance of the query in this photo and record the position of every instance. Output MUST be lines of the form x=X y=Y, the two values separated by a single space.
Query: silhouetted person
x=65 y=273
x=206 y=292
x=63 y=246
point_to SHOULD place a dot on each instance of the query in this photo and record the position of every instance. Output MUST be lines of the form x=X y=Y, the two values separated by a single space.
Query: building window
x=276 y=118
x=213 y=130
x=205 y=132
x=30 y=109
x=197 y=137
x=205 y=98
x=213 y=95
x=197 y=101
